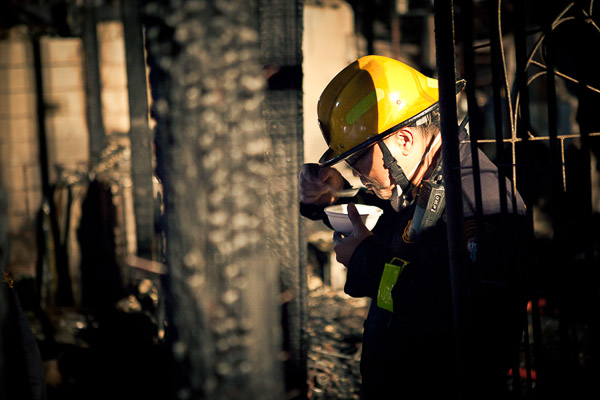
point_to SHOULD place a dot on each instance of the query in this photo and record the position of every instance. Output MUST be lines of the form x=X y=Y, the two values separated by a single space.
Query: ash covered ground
x=335 y=326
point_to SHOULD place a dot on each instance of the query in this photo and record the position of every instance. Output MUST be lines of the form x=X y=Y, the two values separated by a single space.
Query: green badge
x=390 y=275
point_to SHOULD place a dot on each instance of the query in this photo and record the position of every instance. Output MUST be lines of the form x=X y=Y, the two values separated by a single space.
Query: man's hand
x=344 y=246
x=316 y=184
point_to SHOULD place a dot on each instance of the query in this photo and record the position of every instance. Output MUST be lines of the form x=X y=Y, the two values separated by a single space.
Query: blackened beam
x=139 y=132
x=93 y=88
x=64 y=292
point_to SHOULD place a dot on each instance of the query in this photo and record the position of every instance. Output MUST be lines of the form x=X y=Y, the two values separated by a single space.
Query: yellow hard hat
x=368 y=101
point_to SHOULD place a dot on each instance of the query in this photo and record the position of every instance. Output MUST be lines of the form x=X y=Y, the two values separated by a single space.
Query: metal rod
x=459 y=277
x=475 y=120
x=564 y=76
x=522 y=127
x=583 y=199
x=532 y=138
x=500 y=84
x=558 y=192
x=497 y=63
x=584 y=128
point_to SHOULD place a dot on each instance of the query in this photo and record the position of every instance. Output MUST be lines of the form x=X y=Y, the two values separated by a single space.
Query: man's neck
x=430 y=160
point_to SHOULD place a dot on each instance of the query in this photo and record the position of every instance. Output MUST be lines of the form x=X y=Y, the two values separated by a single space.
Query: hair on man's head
x=429 y=124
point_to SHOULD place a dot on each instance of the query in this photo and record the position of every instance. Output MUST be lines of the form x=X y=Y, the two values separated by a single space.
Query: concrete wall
x=113 y=77
x=64 y=95
x=19 y=152
x=66 y=128
x=328 y=45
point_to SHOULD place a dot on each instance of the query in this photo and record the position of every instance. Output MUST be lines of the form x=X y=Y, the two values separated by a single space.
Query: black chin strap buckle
x=397 y=172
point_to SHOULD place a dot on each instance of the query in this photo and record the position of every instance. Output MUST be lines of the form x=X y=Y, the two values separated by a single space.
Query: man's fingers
x=326 y=173
x=316 y=184
x=354 y=215
x=337 y=238
x=311 y=187
x=309 y=173
x=313 y=174
x=357 y=223
x=310 y=199
x=311 y=192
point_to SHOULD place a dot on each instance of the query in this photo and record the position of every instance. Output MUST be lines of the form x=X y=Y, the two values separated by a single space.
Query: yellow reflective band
x=391 y=272
x=368 y=102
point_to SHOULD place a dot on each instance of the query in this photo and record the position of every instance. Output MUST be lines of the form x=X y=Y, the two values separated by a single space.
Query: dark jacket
x=412 y=350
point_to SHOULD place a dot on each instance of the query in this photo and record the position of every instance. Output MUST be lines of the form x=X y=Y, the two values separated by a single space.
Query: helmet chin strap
x=397 y=172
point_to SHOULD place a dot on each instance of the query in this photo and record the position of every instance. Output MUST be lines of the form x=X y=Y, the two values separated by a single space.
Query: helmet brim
x=329 y=158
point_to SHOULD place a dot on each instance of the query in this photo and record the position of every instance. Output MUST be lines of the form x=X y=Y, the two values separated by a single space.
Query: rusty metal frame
x=521 y=132
x=531 y=62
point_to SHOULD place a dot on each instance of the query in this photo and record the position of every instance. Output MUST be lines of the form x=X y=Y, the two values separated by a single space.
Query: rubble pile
x=335 y=326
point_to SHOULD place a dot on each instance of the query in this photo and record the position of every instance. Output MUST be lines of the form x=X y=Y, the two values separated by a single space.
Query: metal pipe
x=568 y=356
x=475 y=120
x=499 y=83
x=522 y=125
x=459 y=276
x=497 y=63
x=558 y=188
x=584 y=128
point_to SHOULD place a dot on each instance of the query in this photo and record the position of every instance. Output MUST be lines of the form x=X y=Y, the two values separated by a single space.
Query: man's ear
x=405 y=140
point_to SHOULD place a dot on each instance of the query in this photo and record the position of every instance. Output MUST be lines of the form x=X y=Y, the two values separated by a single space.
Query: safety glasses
x=354 y=158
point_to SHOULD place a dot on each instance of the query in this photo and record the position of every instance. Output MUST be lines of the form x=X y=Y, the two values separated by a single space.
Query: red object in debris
x=523 y=373
x=541 y=304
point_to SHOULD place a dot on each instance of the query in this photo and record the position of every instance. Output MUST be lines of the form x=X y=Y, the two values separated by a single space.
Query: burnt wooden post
x=64 y=293
x=208 y=89
x=139 y=132
x=93 y=88
x=281 y=45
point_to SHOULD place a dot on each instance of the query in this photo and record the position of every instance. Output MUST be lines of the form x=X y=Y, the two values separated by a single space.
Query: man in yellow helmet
x=381 y=117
